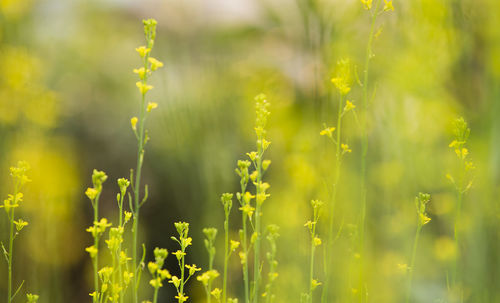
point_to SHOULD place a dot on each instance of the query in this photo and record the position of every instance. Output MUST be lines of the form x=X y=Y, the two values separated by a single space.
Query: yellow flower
x=327 y=131
x=345 y=148
x=192 y=269
x=252 y=155
x=265 y=164
x=204 y=278
x=316 y=241
x=155 y=64
x=92 y=250
x=156 y=283
x=176 y=281
x=153 y=267
x=20 y=224
x=216 y=293
x=151 y=106
x=91 y=193
x=424 y=219
x=164 y=274
x=367 y=3
x=348 y=106
x=133 y=122
x=141 y=72
x=143 y=88
x=234 y=245
x=388 y=6
x=247 y=209
x=182 y=298
x=315 y=283
x=179 y=254
x=143 y=51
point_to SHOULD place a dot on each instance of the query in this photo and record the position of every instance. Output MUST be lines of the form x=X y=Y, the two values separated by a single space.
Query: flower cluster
x=184 y=242
x=421 y=203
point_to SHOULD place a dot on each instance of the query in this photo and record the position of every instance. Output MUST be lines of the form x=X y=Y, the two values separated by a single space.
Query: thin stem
x=11 y=247
x=256 y=265
x=155 y=296
x=182 y=275
x=338 y=160
x=364 y=154
x=245 y=250
x=120 y=273
x=140 y=158
x=311 y=271
x=96 y=245
x=412 y=263
x=226 y=257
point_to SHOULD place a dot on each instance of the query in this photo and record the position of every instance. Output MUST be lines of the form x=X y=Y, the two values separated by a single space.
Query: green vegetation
x=381 y=83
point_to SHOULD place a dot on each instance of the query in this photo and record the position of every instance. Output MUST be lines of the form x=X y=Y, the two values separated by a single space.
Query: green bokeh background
x=67 y=94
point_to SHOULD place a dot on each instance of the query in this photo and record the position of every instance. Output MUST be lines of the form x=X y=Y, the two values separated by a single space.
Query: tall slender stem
x=226 y=257
x=311 y=270
x=11 y=247
x=96 y=245
x=138 y=171
x=256 y=265
x=338 y=162
x=245 y=250
x=364 y=153
x=412 y=262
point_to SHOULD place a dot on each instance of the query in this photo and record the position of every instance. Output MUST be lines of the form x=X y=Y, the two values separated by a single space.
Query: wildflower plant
x=184 y=242
x=111 y=282
x=207 y=277
x=19 y=178
x=342 y=82
x=272 y=275
x=375 y=11
x=421 y=202
x=156 y=270
x=462 y=183
x=97 y=229
x=247 y=210
x=149 y=65
x=315 y=242
x=229 y=245
x=260 y=165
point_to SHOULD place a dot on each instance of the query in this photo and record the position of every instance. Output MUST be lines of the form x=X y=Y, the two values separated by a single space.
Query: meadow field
x=251 y=151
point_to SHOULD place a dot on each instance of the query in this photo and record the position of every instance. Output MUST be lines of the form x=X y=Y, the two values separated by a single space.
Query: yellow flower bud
x=133 y=122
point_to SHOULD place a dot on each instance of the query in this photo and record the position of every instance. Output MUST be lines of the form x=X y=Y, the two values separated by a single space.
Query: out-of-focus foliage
x=67 y=94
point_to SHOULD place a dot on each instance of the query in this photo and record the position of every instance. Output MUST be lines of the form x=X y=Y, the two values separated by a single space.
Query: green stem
x=182 y=275
x=96 y=245
x=311 y=270
x=155 y=296
x=329 y=246
x=412 y=263
x=120 y=273
x=208 y=289
x=364 y=155
x=11 y=247
x=245 y=249
x=256 y=265
x=226 y=256
x=140 y=158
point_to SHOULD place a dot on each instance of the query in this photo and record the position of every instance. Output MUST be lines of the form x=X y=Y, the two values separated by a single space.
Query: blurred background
x=67 y=93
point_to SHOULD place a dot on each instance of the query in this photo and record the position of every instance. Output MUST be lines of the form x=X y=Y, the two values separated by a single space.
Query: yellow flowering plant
x=19 y=178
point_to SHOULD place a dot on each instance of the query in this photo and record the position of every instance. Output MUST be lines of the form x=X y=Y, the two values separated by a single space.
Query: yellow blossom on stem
x=327 y=132
x=388 y=6
x=143 y=51
x=155 y=64
x=133 y=122
x=143 y=88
